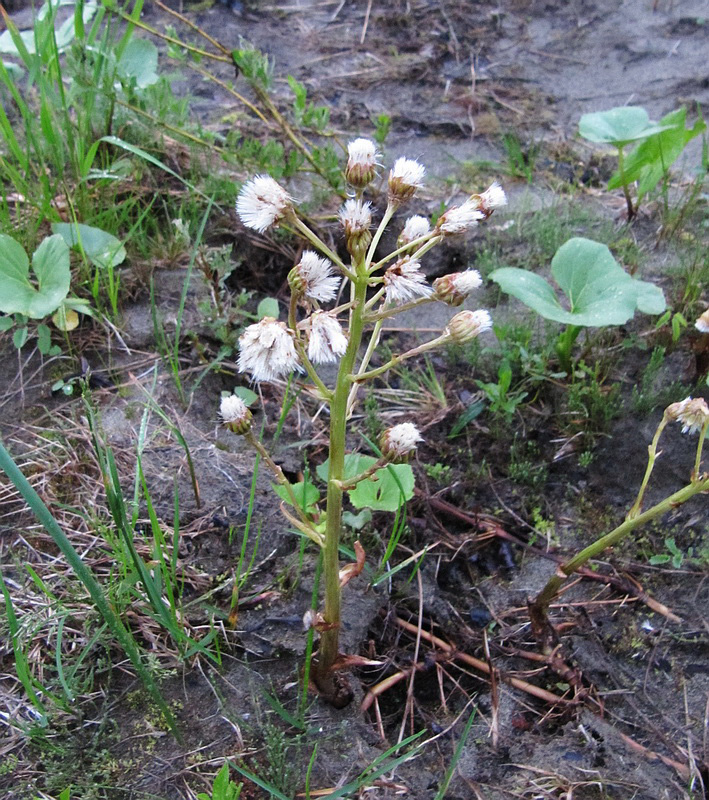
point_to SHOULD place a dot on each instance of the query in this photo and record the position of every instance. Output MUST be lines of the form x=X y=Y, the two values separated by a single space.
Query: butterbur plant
x=335 y=315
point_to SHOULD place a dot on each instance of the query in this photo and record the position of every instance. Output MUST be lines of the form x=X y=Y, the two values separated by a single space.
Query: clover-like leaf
x=101 y=248
x=598 y=290
x=50 y=264
x=618 y=126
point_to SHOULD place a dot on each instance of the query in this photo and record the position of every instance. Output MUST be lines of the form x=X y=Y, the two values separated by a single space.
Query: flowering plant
x=363 y=291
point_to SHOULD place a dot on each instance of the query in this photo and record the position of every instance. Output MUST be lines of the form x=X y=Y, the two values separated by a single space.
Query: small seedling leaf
x=268 y=307
x=246 y=395
x=598 y=290
x=102 y=248
x=6 y=323
x=306 y=494
x=139 y=61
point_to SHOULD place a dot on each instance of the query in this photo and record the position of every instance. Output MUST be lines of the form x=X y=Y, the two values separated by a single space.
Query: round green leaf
x=268 y=307
x=617 y=126
x=139 y=61
x=101 y=248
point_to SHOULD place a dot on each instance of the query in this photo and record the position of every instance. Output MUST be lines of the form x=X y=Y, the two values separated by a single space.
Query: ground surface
x=495 y=505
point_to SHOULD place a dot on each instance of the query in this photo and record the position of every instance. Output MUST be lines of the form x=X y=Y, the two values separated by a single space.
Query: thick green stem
x=549 y=592
x=329 y=642
x=564 y=344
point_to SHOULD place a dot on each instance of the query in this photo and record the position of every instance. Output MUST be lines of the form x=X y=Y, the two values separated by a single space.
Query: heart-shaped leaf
x=598 y=290
x=139 y=62
x=50 y=264
x=101 y=248
x=617 y=126
x=394 y=484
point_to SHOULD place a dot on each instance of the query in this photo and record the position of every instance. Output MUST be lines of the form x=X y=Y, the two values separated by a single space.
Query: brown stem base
x=334 y=687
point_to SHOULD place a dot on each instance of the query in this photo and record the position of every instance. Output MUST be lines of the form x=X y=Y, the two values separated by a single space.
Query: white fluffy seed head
x=404 y=281
x=492 y=198
x=399 y=442
x=414 y=228
x=691 y=413
x=356 y=217
x=468 y=325
x=235 y=414
x=702 y=324
x=460 y=219
x=267 y=350
x=361 y=162
x=405 y=177
x=313 y=277
x=262 y=203
x=454 y=288
x=327 y=341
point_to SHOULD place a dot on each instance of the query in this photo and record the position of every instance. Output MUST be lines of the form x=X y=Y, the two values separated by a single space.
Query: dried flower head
x=454 y=288
x=327 y=340
x=262 y=203
x=414 y=228
x=405 y=177
x=460 y=219
x=313 y=277
x=404 y=281
x=702 y=324
x=693 y=414
x=267 y=350
x=361 y=162
x=492 y=198
x=399 y=442
x=356 y=218
x=467 y=325
x=235 y=414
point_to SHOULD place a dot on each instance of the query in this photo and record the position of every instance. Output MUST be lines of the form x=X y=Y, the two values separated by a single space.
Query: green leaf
x=617 y=126
x=382 y=494
x=268 y=307
x=6 y=323
x=139 y=62
x=651 y=159
x=598 y=290
x=246 y=395
x=19 y=337
x=50 y=264
x=101 y=248
x=44 y=338
x=306 y=494
x=357 y=521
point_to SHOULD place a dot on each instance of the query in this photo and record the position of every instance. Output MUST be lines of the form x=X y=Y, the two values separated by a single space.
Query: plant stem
x=329 y=642
x=651 y=458
x=564 y=344
x=422 y=348
x=626 y=190
x=541 y=603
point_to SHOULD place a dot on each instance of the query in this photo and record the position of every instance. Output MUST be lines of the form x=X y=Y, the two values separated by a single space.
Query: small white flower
x=467 y=325
x=398 y=442
x=405 y=177
x=702 y=324
x=453 y=289
x=414 y=228
x=262 y=203
x=316 y=275
x=460 y=218
x=691 y=413
x=404 y=281
x=267 y=350
x=361 y=162
x=327 y=341
x=235 y=414
x=356 y=217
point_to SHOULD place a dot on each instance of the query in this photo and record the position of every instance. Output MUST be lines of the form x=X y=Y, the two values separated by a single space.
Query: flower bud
x=235 y=415
x=399 y=442
x=692 y=414
x=361 y=162
x=467 y=325
x=356 y=218
x=405 y=178
x=454 y=288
